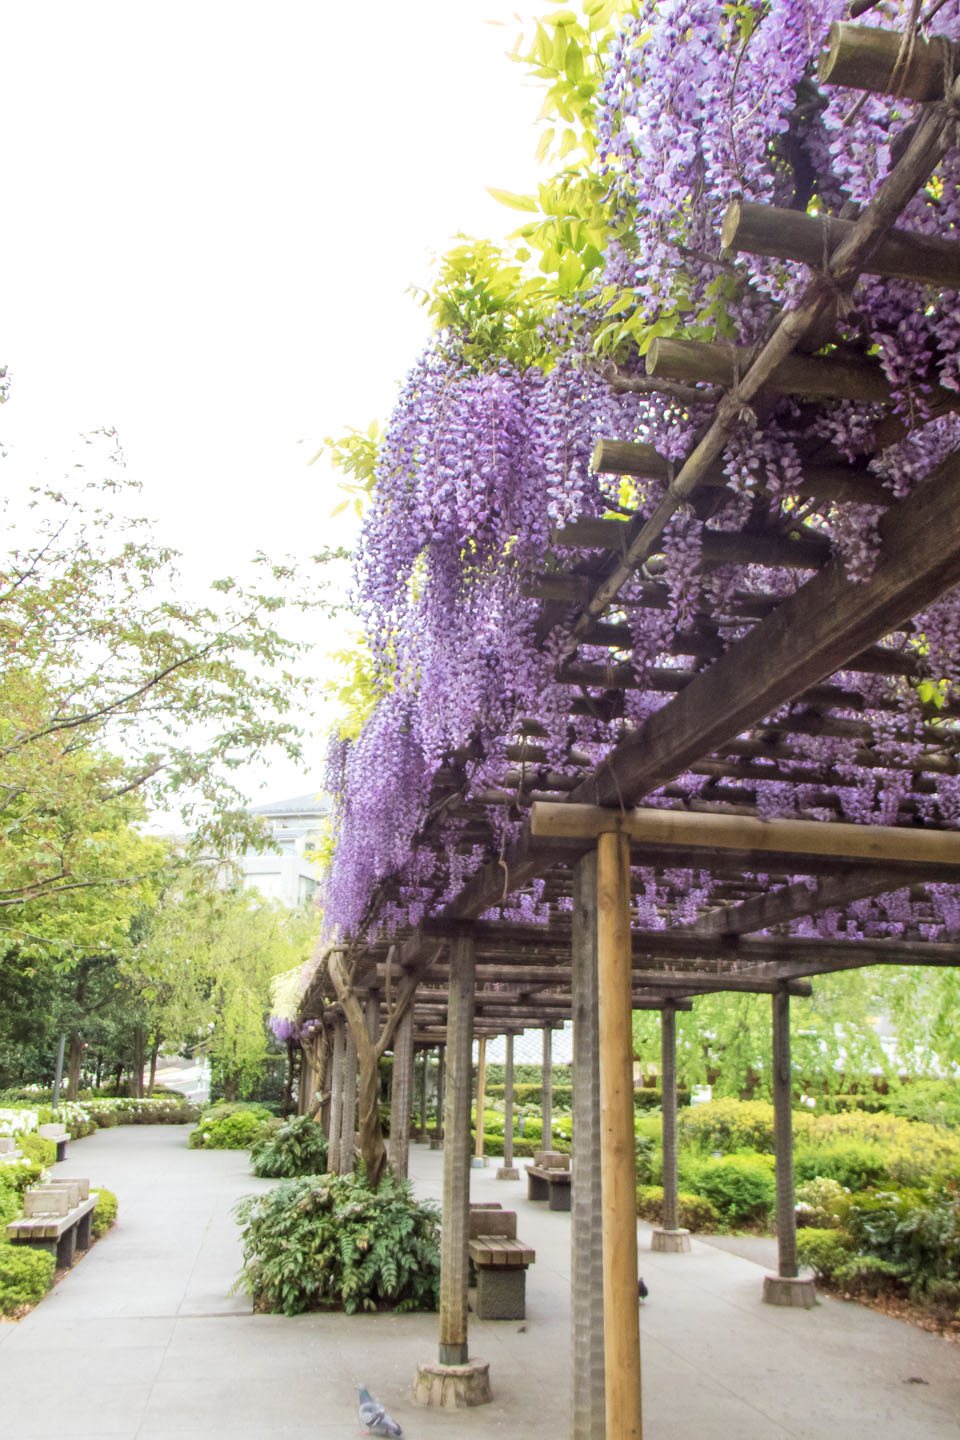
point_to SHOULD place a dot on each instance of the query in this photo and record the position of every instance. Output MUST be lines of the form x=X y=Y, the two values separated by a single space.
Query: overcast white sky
x=212 y=213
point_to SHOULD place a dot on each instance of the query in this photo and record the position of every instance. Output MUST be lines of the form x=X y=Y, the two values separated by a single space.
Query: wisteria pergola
x=754 y=683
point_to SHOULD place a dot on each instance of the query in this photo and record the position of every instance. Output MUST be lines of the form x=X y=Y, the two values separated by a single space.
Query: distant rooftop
x=312 y=803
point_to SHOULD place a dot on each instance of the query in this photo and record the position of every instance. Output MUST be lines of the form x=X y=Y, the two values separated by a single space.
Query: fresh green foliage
x=740 y=1187
x=694 y=1212
x=825 y=1251
x=297 y=1148
x=852 y=1164
x=25 y=1276
x=936 y=1102
x=104 y=1212
x=646 y=1160
x=917 y=1232
x=238 y=1131
x=328 y=1241
x=36 y=1147
x=728 y=1125
x=10 y=1203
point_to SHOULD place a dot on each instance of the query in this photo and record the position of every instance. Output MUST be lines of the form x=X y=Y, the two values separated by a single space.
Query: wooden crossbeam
x=806 y=639
x=792 y=235
x=877 y=843
x=777 y=907
x=863 y=58
x=776 y=957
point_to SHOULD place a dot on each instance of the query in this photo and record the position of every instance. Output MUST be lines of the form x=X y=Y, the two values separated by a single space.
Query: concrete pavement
x=142 y=1341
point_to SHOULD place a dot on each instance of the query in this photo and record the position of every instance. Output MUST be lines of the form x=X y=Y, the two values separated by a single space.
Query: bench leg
x=537 y=1187
x=83 y=1231
x=61 y=1149
x=66 y=1248
x=501 y=1292
x=559 y=1197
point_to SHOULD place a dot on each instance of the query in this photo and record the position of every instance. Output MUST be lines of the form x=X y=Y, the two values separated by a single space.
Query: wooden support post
x=546 y=1093
x=783 y=1122
x=620 y=1311
x=401 y=1096
x=507 y=1171
x=669 y=1236
x=336 y=1093
x=456 y=1155
x=422 y=1136
x=588 y=1419
x=348 y=1114
x=481 y=1093
x=784 y=1288
x=438 y=1128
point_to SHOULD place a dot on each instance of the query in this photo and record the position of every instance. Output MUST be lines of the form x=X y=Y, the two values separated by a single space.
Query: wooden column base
x=782 y=1290
x=453 y=1387
x=670 y=1242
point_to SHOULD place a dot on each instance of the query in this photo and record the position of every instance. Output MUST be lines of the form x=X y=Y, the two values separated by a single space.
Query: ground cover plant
x=329 y=1242
x=25 y=1277
x=297 y=1148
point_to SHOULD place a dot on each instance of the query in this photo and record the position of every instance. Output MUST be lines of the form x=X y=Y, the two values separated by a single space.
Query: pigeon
x=642 y=1291
x=373 y=1417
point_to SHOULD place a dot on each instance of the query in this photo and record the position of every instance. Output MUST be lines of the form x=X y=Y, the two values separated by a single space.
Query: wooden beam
x=805 y=640
x=792 y=235
x=780 y=957
x=776 y=907
x=864 y=58
x=740 y=832
x=618 y=1178
x=816 y=377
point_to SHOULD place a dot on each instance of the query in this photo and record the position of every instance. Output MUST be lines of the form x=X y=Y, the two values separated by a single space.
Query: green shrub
x=25 y=1276
x=825 y=1251
x=728 y=1125
x=10 y=1203
x=741 y=1187
x=106 y=1117
x=916 y=1231
x=104 y=1212
x=868 y=1275
x=694 y=1212
x=853 y=1164
x=645 y=1098
x=820 y=1203
x=936 y=1102
x=236 y=1131
x=297 y=1148
x=916 y=1152
x=645 y=1159
x=35 y=1147
x=523 y=1149
x=325 y=1242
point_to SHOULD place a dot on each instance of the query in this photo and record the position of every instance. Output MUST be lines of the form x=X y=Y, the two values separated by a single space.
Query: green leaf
x=515 y=202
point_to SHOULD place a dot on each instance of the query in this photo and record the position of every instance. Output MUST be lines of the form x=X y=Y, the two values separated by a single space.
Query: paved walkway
x=142 y=1341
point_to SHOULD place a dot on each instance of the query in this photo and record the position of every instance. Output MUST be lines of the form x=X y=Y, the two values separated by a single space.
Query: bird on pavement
x=373 y=1416
x=642 y=1291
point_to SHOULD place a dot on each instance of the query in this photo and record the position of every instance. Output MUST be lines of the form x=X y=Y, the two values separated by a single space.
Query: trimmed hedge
x=104 y=1212
x=694 y=1212
x=740 y=1187
x=25 y=1276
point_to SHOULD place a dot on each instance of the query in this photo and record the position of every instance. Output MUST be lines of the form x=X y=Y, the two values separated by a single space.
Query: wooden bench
x=501 y=1261
x=56 y=1218
x=58 y=1134
x=548 y=1178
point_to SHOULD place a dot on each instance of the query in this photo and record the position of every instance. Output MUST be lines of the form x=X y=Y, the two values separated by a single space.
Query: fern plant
x=326 y=1242
x=297 y=1148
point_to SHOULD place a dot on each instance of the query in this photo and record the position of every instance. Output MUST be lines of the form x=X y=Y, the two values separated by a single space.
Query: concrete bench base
x=550 y=1185
x=501 y=1269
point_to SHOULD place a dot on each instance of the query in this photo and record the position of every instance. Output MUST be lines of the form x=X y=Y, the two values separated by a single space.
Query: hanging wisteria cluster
x=481 y=464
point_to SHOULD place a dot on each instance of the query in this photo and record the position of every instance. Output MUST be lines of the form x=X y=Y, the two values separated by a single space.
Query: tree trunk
x=230 y=1085
x=75 y=1057
x=139 y=1060
x=287 y=1105
x=154 y=1056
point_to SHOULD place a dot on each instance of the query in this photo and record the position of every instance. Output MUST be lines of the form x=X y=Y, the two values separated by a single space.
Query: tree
x=101 y=657
x=205 y=966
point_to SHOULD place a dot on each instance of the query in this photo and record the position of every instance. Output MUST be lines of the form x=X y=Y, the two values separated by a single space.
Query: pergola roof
x=815 y=690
